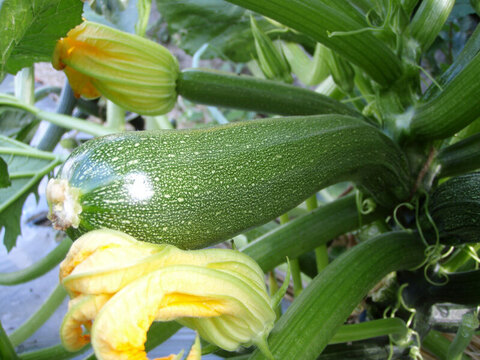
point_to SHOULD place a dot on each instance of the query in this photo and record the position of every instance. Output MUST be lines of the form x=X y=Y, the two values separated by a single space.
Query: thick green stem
x=29 y=327
x=7 y=351
x=314 y=18
x=294 y=265
x=429 y=20
x=452 y=109
x=296 y=336
x=461 y=157
x=464 y=335
x=370 y=329
x=437 y=344
x=459 y=258
x=253 y=94
x=321 y=252
x=53 y=133
x=36 y=270
x=314 y=229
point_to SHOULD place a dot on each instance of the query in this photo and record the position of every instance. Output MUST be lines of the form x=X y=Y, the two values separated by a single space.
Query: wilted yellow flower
x=133 y=72
x=119 y=286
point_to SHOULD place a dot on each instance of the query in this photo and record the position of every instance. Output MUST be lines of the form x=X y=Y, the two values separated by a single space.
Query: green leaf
x=4 y=178
x=26 y=167
x=15 y=122
x=31 y=28
x=225 y=27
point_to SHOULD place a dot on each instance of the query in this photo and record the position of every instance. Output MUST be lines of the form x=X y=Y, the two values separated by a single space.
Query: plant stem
x=56 y=352
x=53 y=133
x=41 y=267
x=25 y=85
x=315 y=228
x=357 y=270
x=463 y=337
x=250 y=93
x=294 y=265
x=7 y=351
x=321 y=252
x=115 y=117
x=437 y=344
x=370 y=329
x=29 y=327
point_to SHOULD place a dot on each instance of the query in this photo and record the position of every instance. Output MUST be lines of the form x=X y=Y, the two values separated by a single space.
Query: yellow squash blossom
x=119 y=286
x=133 y=72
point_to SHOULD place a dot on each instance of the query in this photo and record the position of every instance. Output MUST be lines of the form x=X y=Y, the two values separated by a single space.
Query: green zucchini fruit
x=455 y=209
x=193 y=188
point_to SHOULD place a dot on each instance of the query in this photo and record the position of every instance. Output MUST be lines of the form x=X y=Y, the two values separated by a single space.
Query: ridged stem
x=314 y=18
x=296 y=336
x=25 y=85
x=429 y=19
x=56 y=352
x=452 y=109
x=7 y=351
x=29 y=327
x=294 y=265
x=459 y=258
x=464 y=335
x=461 y=157
x=321 y=252
x=437 y=344
x=471 y=48
x=54 y=133
x=314 y=229
x=370 y=329
x=254 y=94
x=39 y=268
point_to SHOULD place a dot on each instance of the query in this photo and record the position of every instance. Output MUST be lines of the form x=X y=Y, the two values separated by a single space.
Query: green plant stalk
x=41 y=267
x=470 y=50
x=29 y=327
x=53 y=133
x=321 y=252
x=56 y=352
x=437 y=344
x=461 y=157
x=463 y=337
x=314 y=18
x=158 y=333
x=157 y=122
x=295 y=336
x=272 y=289
x=459 y=258
x=316 y=228
x=253 y=94
x=7 y=351
x=25 y=85
x=369 y=329
x=452 y=110
x=115 y=117
x=65 y=121
x=428 y=21
x=294 y=265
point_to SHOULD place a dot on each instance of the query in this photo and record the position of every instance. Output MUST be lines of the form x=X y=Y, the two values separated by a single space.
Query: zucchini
x=193 y=188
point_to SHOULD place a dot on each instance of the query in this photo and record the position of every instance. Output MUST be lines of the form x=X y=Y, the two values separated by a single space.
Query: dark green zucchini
x=455 y=209
x=193 y=188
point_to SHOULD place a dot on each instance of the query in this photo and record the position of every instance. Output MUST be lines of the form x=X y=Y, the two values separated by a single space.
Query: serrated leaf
x=4 y=178
x=225 y=27
x=31 y=28
x=26 y=167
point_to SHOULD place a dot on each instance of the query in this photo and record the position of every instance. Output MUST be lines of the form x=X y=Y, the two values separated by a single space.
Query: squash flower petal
x=133 y=72
x=119 y=286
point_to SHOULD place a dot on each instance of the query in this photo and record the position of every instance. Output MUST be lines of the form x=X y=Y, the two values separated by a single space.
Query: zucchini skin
x=194 y=188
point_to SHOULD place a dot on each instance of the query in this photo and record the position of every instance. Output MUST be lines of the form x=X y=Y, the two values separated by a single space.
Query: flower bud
x=131 y=71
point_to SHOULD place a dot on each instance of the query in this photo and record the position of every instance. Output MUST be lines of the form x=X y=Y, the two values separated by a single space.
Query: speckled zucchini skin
x=194 y=188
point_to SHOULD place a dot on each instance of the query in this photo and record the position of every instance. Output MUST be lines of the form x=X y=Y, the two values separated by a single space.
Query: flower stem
x=29 y=327
x=115 y=117
x=41 y=267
